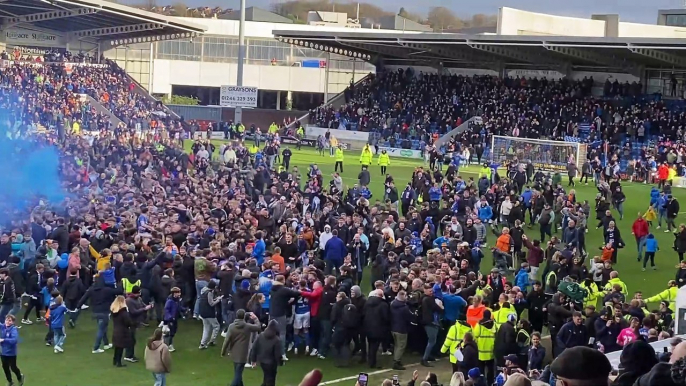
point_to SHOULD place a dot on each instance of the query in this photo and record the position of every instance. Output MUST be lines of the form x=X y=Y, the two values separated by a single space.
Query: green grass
x=77 y=366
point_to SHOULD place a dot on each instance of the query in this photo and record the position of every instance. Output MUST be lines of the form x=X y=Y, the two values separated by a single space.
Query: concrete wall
x=299 y=79
x=653 y=31
x=517 y=22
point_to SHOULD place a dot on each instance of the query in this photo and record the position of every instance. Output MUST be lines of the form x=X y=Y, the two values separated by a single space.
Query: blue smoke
x=29 y=171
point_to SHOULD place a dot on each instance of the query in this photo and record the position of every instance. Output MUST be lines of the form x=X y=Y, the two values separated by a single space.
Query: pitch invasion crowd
x=275 y=259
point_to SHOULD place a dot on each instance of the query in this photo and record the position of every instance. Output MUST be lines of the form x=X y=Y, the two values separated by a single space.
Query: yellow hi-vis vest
x=454 y=338
x=668 y=295
x=128 y=286
x=485 y=341
x=339 y=155
x=500 y=316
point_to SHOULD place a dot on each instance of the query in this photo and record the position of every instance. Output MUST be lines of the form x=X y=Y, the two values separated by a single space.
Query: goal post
x=543 y=154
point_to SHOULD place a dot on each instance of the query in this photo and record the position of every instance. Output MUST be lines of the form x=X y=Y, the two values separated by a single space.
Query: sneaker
x=655 y=268
x=248 y=365
x=643 y=269
x=657 y=227
x=321 y=356
x=314 y=353
x=307 y=349
x=295 y=351
x=21 y=380
x=48 y=344
x=98 y=351
x=666 y=230
x=84 y=307
x=171 y=348
x=72 y=323
x=26 y=321
x=202 y=347
x=387 y=353
x=56 y=351
x=108 y=346
x=212 y=344
x=290 y=347
x=223 y=334
x=284 y=357
x=426 y=364
x=41 y=319
x=132 y=360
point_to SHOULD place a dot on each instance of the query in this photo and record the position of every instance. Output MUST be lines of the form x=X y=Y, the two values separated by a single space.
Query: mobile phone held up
x=362 y=379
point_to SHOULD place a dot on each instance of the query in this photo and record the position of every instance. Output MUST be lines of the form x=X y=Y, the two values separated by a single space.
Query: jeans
x=199 y=285
x=660 y=215
x=640 y=244
x=325 y=336
x=270 y=159
x=210 y=330
x=129 y=351
x=620 y=209
x=5 y=310
x=283 y=324
x=431 y=334
x=16 y=307
x=237 y=374
x=330 y=265
x=160 y=379
x=227 y=315
x=103 y=320
x=60 y=336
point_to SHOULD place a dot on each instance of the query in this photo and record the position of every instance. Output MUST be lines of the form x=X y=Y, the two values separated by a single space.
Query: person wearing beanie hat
x=596 y=367
x=636 y=359
x=475 y=377
x=137 y=310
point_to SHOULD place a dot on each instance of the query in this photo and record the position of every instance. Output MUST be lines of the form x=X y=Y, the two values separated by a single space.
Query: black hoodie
x=267 y=347
x=278 y=299
x=101 y=297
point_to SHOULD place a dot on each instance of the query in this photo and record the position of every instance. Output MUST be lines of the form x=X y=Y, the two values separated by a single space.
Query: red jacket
x=315 y=298
x=640 y=228
x=663 y=172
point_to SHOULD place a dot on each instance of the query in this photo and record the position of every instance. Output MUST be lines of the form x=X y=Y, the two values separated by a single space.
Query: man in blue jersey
x=301 y=319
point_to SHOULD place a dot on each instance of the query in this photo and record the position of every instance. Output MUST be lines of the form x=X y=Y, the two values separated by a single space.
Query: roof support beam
x=603 y=60
x=671 y=59
x=151 y=39
x=120 y=30
x=517 y=55
x=487 y=60
x=52 y=15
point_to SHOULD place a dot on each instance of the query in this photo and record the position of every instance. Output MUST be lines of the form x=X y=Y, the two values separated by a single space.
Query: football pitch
x=78 y=367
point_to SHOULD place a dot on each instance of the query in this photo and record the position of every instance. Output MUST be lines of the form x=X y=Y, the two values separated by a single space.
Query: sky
x=639 y=11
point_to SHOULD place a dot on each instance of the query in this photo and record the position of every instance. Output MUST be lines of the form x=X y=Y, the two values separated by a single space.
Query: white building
x=199 y=66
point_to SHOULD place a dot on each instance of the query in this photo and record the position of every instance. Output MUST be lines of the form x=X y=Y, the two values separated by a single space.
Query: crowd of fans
x=275 y=258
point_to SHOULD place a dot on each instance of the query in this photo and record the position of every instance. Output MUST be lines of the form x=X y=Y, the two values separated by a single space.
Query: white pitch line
x=383 y=371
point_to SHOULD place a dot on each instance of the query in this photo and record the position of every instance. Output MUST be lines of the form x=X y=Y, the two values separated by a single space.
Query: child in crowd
x=651 y=248
x=57 y=312
x=607 y=252
x=172 y=311
x=108 y=274
x=650 y=215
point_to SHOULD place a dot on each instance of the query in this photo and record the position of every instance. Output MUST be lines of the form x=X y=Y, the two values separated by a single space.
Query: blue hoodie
x=454 y=306
x=439 y=241
x=526 y=198
x=661 y=204
x=485 y=213
x=265 y=286
x=654 y=195
x=258 y=251
x=522 y=279
x=57 y=315
x=435 y=194
x=651 y=243
x=10 y=338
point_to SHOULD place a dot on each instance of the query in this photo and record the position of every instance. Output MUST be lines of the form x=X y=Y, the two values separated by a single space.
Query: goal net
x=543 y=154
